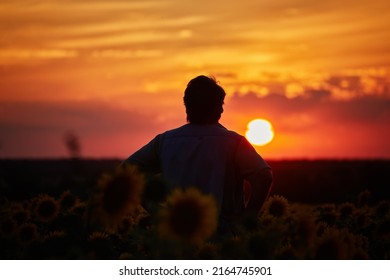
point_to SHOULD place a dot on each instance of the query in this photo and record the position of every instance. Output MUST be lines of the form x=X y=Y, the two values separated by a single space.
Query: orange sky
x=114 y=72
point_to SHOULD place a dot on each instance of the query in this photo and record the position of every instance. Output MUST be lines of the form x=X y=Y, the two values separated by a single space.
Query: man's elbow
x=261 y=184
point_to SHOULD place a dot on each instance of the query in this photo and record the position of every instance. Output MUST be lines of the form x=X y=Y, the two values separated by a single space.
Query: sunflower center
x=186 y=217
x=47 y=209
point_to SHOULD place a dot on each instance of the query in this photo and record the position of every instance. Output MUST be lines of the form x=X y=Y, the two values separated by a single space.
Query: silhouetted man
x=205 y=154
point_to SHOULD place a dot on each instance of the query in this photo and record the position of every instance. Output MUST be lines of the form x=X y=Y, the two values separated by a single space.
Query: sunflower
x=46 y=208
x=382 y=209
x=362 y=220
x=28 y=233
x=266 y=220
x=327 y=213
x=78 y=209
x=54 y=235
x=7 y=227
x=68 y=200
x=118 y=195
x=277 y=206
x=98 y=236
x=99 y=246
x=18 y=212
x=188 y=216
x=321 y=228
x=331 y=246
x=363 y=198
x=346 y=210
x=125 y=225
x=21 y=216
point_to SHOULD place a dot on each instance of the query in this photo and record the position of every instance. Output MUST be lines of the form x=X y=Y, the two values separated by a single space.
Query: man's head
x=203 y=99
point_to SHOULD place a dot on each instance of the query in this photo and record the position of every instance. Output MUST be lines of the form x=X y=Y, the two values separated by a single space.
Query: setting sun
x=259 y=132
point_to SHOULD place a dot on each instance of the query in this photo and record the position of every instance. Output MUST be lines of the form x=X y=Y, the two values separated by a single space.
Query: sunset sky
x=114 y=72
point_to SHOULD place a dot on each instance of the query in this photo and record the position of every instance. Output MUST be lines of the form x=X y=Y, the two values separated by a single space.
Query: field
x=67 y=209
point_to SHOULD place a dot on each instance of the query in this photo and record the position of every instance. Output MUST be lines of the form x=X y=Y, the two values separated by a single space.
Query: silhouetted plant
x=72 y=144
x=117 y=195
x=363 y=198
x=68 y=200
x=183 y=225
x=382 y=209
x=277 y=206
x=28 y=233
x=46 y=208
x=8 y=227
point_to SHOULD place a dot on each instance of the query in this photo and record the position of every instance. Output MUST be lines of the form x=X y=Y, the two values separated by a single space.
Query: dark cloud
x=353 y=81
x=321 y=106
x=276 y=104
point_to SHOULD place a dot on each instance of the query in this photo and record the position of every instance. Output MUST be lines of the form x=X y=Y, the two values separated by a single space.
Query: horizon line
x=59 y=158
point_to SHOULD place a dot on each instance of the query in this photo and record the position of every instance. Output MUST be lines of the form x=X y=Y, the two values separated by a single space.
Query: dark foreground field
x=317 y=210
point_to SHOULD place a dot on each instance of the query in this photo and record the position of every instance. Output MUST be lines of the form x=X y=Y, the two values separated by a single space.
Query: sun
x=259 y=132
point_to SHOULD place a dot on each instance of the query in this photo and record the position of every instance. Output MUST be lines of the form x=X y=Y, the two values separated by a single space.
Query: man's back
x=208 y=157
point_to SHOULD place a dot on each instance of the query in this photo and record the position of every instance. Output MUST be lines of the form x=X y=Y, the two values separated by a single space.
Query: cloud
x=319 y=106
x=365 y=107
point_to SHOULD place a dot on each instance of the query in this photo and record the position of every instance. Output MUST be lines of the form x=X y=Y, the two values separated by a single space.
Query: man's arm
x=147 y=158
x=261 y=183
x=257 y=172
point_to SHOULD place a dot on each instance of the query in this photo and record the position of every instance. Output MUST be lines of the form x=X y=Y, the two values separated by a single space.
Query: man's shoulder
x=189 y=130
x=174 y=131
